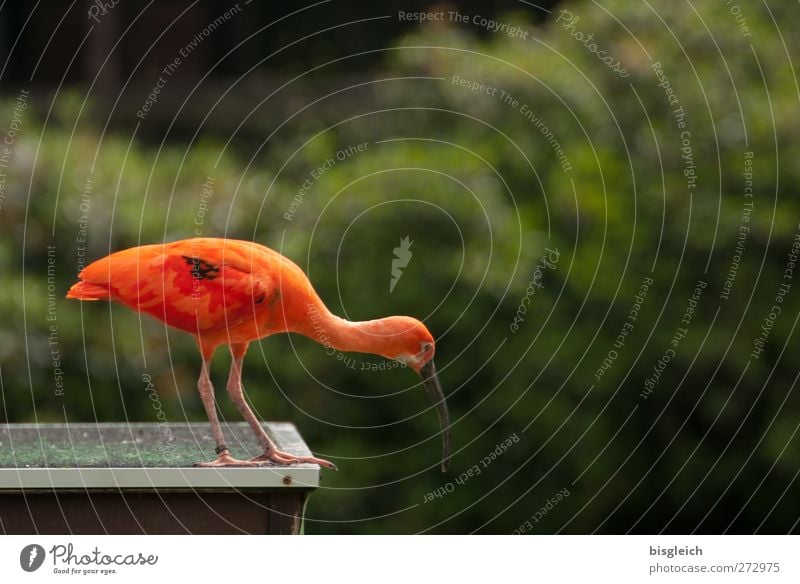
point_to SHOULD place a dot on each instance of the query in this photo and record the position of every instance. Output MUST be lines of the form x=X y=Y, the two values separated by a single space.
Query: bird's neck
x=331 y=331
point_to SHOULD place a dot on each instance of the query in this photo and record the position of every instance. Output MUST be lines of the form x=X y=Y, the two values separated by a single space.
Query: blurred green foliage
x=480 y=190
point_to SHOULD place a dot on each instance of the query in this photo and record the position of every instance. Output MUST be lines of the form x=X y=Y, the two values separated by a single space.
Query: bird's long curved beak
x=434 y=389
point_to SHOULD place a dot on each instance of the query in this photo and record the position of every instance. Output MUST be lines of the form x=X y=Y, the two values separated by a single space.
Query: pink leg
x=271 y=452
x=206 y=390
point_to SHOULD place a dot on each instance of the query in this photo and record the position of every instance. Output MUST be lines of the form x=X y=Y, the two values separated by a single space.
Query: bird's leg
x=206 y=390
x=236 y=392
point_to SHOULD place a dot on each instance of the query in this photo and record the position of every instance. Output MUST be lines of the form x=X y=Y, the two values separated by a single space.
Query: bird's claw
x=269 y=458
x=279 y=458
x=224 y=459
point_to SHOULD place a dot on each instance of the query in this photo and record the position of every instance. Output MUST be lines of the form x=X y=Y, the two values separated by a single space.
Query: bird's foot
x=284 y=458
x=225 y=459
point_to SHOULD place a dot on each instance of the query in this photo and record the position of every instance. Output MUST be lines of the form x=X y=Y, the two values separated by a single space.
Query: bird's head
x=410 y=342
x=413 y=345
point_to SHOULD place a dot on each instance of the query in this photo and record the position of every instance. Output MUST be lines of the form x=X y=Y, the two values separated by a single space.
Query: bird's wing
x=194 y=285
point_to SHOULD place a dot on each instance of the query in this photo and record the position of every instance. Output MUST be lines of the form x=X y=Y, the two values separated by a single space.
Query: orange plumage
x=230 y=292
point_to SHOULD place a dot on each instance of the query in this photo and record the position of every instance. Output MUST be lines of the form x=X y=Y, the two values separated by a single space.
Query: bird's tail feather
x=87 y=291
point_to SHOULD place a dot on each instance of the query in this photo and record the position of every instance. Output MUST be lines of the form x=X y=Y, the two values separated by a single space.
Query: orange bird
x=229 y=292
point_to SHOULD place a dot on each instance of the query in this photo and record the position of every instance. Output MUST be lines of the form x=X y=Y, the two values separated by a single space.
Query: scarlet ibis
x=230 y=292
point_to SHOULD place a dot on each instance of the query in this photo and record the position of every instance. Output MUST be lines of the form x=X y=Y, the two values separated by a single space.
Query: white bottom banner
x=353 y=559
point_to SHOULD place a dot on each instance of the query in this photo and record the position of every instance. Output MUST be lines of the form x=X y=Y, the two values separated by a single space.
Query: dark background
x=279 y=88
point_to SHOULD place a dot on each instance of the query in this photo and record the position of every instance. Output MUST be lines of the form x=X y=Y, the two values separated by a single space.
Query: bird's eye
x=425 y=347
